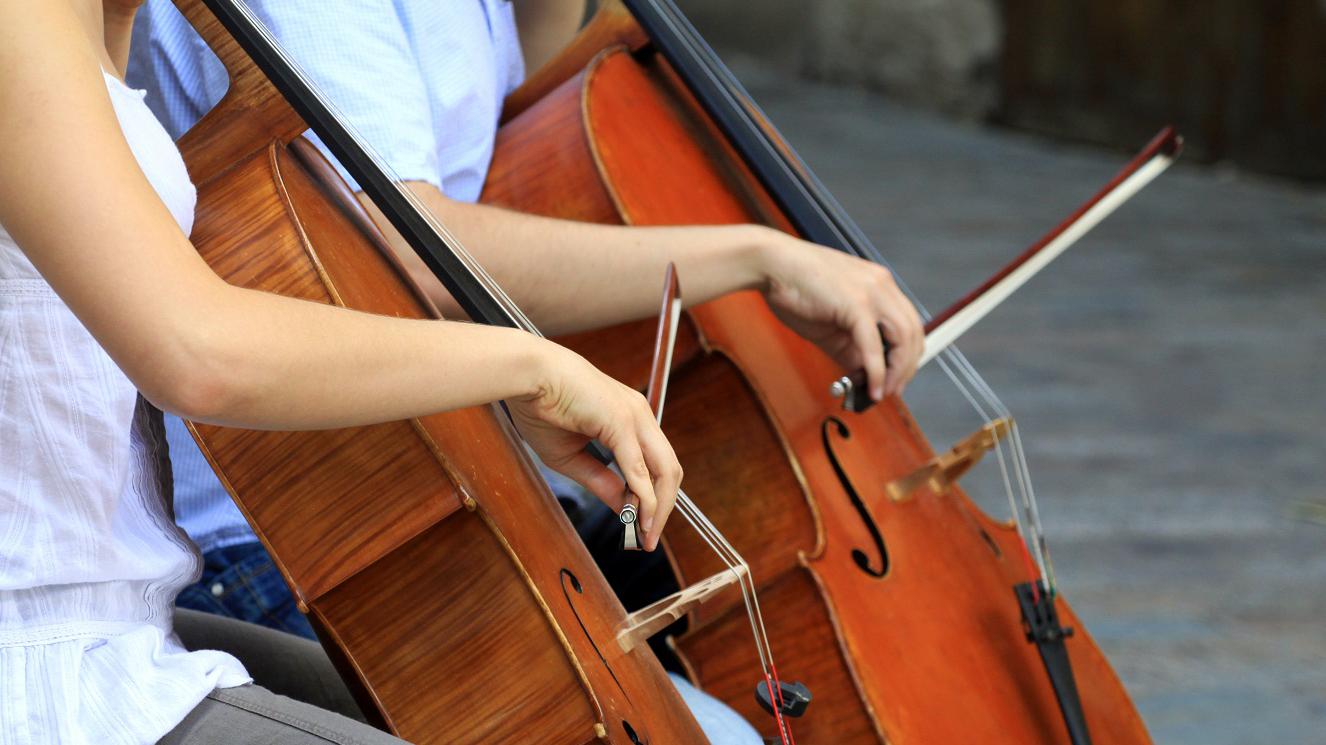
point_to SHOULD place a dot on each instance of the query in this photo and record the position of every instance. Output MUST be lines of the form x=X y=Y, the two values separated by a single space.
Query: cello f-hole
x=569 y=577
x=879 y=568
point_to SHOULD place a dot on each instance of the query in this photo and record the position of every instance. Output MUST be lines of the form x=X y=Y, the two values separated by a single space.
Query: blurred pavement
x=1166 y=376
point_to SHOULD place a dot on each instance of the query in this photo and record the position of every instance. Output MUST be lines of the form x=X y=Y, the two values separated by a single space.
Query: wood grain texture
x=930 y=651
x=252 y=111
x=611 y=26
x=400 y=487
x=551 y=139
x=443 y=576
x=492 y=670
x=719 y=653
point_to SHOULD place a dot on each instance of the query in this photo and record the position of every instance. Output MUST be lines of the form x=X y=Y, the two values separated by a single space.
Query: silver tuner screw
x=630 y=530
x=841 y=388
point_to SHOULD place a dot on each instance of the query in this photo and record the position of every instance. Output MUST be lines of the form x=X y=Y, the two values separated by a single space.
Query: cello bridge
x=944 y=470
x=653 y=618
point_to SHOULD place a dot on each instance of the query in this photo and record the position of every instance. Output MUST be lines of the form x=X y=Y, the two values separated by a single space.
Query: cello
x=912 y=615
x=443 y=578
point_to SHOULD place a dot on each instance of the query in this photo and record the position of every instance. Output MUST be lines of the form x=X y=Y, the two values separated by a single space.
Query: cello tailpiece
x=1040 y=620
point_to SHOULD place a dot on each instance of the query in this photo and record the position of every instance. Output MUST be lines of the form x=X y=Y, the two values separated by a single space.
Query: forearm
x=570 y=276
x=256 y=360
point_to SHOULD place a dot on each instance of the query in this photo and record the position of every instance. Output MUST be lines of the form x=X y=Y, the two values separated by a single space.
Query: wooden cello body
x=899 y=614
x=442 y=576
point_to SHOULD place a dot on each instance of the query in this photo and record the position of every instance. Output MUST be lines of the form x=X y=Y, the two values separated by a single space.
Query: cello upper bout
x=252 y=111
x=612 y=25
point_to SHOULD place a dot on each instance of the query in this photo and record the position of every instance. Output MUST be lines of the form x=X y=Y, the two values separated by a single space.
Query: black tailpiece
x=1041 y=622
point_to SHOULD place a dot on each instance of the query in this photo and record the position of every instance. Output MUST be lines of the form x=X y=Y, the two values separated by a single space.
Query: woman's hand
x=575 y=403
x=842 y=304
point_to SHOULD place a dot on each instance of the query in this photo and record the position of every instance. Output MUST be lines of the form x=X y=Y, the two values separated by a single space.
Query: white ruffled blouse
x=90 y=557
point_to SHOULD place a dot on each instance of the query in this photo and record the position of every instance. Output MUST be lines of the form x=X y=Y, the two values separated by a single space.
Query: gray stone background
x=1166 y=372
x=1245 y=79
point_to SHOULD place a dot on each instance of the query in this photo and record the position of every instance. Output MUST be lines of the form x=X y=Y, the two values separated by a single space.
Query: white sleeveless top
x=90 y=558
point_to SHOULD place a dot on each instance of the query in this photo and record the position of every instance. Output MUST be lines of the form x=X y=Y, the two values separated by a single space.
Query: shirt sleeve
x=168 y=59
x=358 y=53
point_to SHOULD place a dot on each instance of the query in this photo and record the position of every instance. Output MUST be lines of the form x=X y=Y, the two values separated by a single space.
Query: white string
x=1027 y=520
x=940 y=341
x=961 y=371
x=689 y=510
x=449 y=239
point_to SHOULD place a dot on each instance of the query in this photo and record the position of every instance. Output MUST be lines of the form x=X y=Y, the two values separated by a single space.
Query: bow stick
x=664 y=342
x=781 y=699
x=944 y=329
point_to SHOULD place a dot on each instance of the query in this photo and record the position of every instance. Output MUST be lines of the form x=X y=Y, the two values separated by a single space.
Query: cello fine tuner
x=630 y=529
x=852 y=390
x=841 y=387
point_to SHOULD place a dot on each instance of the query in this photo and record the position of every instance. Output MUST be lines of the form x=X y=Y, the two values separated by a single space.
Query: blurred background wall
x=1245 y=80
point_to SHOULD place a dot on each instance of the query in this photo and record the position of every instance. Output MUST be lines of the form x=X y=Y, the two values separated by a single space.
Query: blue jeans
x=241 y=582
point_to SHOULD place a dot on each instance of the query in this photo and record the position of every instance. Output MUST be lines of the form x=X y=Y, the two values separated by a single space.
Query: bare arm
x=604 y=273
x=546 y=26
x=571 y=276
x=119 y=21
x=133 y=279
x=72 y=196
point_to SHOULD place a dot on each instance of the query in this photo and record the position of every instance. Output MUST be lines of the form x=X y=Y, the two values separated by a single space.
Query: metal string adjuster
x=630 y=529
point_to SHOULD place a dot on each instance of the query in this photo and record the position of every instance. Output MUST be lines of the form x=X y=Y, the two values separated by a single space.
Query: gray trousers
x=296 y=697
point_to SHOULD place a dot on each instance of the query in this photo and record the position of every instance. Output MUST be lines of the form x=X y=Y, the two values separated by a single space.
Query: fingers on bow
x=650 y=468
x=900 y=324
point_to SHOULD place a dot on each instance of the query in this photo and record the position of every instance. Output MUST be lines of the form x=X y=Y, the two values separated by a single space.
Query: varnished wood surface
x=466 y=683
x=319 y=541
x=933 y=649
x=251 y=111
x=442 y=574
x=612 y=26
x=718 y=652
x=550 y=139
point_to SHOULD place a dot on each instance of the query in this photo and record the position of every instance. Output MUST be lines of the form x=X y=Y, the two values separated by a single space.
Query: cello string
x=1030 y=532
x=730 y=88
x=734 y=564
x=708 y=532
x=495 y=291
x=700 y=522
x=1034 y=532
x=850 y=233
x=758 y=618
x=944 y=362
x=1047 y=566
x=746 y=581
x=744 y=578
